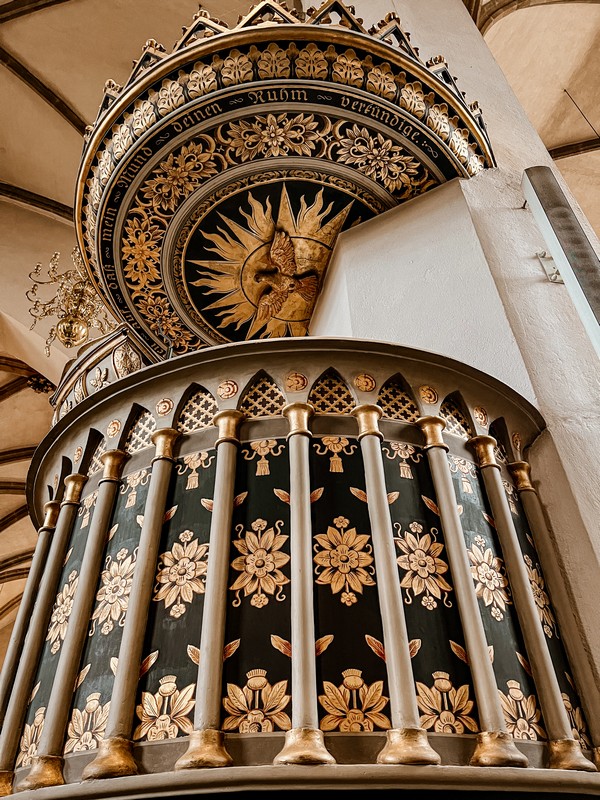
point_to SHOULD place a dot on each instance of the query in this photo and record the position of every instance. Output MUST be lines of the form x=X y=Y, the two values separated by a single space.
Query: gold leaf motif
x=282 y=495
x=194 y=654
x=430 y=505
x=148 y=662
x=34 y=691
x=414 y=646
x=114 y=663
x=459 y=651
x=239 y=499
x=82 y=676
x=169 y=514
x=359 y=493
x=112 y=532
x=376 y=646
x=322 y=644
x=316 y=495
x=230 y=648
x=207 y=504
x=392 y=497
x=282 y=645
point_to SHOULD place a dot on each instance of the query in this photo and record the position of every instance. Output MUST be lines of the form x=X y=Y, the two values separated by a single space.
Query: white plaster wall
x=559 y=358
x=390 y=279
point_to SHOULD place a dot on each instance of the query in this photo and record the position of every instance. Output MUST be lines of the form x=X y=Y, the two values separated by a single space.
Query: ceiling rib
x=20 y=8
x=14 y=516
x=38 y=202
x=14 y=575
x=12 y=487
x=38 y=86
x=6 y=609
x=16 y=454
x=9 y=389
x=492 y=11
x=14 y=561
x=575 y=149
x=16 y=366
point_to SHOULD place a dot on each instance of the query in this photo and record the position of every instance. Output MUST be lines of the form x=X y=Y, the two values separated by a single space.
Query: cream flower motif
x=423 y=566
x=61 y=612
x=311 y=63
x=237 y=68
x=141 y=251
x=343 y=560
x=412 y=99
x=521 y=713
x=490 y=582
x=179 y=175
x=31 y=738
x=578 y=724
x=273 y=63
x=260 y=563
x=181 y=574
x=274 y=136
x=380 y=159
x=348 y=69
x=113 y=596
x=256 y=707
x=353 y=706
x=445 y=709
x=87 y=727
x=202 y=80
x=164 y=715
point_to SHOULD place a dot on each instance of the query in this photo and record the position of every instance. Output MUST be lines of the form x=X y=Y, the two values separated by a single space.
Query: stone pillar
x=38 y=626
x=578 y=657
x=564 y=750
x=304 y=743
x=115 y=750
x=495 y=746
x=407 y=742
x=47 y=764
x=19 y=631
x=207 y=742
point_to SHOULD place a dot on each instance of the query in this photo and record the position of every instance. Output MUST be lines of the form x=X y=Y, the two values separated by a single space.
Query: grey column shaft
x=568 y=630
x=19 y=631
x=304 y=672
x=486 y=690
x=59 y=704
x=124 y=693
x=544 y=675
x=34 y=641
x=207 y=715
x=403 y=706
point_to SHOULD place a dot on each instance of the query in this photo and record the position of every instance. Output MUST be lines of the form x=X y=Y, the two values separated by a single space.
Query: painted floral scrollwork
x=30 y=740
x=194 y=462
x=181 y=574
x=164 y=714
x=63 y=605
x=424 y=569
x=113 y=596
x=260 y=563
x=404 y=453
x=344 y=560
x=489 y=576
x=354 y=705
x=540 y=595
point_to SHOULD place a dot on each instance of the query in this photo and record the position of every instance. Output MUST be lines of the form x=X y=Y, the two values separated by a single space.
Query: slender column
x=495 y=747
x=19 y=631
x=36 y=635
x=407 y=742
x=521 y=473
x=304 y=743
x=207 y=742
x=565 y=751
x=115 y=756
x=47 y=764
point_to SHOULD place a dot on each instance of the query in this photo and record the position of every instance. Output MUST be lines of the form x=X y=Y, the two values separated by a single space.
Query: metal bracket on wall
x=549 y=266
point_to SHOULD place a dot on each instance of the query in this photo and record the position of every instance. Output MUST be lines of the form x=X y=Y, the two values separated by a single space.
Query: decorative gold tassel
x=192 y=481
x=335 y=464
x=262 y=467
x=131 y=498
x=405 y=470
x=466 y=485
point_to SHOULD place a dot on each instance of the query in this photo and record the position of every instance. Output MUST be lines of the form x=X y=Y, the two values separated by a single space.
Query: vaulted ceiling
x=55 y=57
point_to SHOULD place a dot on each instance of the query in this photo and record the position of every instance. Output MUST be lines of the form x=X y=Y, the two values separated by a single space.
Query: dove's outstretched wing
x=282 y=253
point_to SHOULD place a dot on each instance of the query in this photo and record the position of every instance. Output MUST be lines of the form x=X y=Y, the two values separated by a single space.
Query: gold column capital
x=228 y=424
x=113 y=461
x=51 y=509
x=73 y=487
x=432 y=428
x=297 y=415
x=368 y=416
x=164 y=439
x=521 y=472
x=483 y=447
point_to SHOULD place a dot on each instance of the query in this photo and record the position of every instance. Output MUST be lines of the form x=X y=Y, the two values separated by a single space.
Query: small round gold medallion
x=516 y=440
x=77 y=454
x=428 y=394
x=365 y=382
x=164 y=406
x=227 y=389
x=296 y=382
x=113 y=428
x=481 y=416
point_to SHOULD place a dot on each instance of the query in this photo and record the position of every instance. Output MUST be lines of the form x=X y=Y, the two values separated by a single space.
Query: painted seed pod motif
x=521 y=713
x=163 y=715
x=353 y=706
x=343 y=558
x=257 y=707
x=445 y=709
x=87 y=727
x=31 y=738
x=260 y=563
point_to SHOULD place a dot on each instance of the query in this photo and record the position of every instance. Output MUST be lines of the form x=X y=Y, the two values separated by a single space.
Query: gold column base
x=304 y=746
x=408 y=746
x=497 y=749
x=206 y=749
x=45 y=771
x=6 y=781
x=114 y=760
x=567 y=754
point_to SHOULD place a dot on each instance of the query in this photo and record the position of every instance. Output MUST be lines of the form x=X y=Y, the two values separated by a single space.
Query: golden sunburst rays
x=273 y=297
